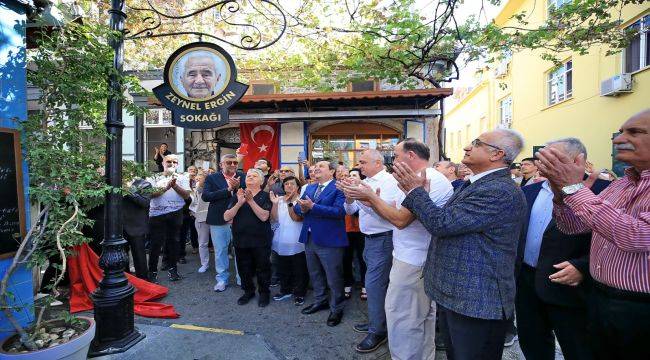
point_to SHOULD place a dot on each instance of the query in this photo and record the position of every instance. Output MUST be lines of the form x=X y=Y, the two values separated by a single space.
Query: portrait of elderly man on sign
x=200 y=74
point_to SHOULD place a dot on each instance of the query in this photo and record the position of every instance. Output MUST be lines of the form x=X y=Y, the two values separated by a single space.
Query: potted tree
x=64 y=144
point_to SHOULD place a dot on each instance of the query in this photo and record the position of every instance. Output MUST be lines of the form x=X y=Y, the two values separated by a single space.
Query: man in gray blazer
x=470 y=265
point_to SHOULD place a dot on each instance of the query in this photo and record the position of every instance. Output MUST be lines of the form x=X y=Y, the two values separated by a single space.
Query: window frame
x=251 y=84
x=505 y=100
x=552 y=77
x=375 y=85
x=644 y=38
x=161 y=118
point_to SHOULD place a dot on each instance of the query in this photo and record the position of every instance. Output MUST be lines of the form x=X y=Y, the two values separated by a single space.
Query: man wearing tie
x=323 y=233
x=470 y=268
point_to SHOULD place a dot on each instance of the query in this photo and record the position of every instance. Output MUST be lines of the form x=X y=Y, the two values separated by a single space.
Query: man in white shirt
x=166 y=215
x=410 y=314
x=378 y=247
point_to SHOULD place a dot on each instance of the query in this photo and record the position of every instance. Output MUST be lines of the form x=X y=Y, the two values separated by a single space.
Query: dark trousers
x=136 y=246
x=472 y=338
x=619 y=323
x=187 y=230
x=355 y=250
x=325 y=265
x=293 y=274
x=254 y=262
x=538 y=320
x=164 y=230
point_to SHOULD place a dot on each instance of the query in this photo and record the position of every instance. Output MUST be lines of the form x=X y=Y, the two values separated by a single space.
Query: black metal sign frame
x=185 y=96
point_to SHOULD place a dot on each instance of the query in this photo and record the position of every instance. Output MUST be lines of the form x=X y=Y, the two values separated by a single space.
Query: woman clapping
x=292 y=264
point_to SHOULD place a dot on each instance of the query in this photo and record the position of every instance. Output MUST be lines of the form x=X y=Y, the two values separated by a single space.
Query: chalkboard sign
x=12 y=200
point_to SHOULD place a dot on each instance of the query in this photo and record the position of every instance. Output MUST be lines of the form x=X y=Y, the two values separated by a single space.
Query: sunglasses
x=233 y=162
x=477 y=143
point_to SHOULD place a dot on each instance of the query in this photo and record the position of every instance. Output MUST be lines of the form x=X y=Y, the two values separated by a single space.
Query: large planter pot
x=75 y=349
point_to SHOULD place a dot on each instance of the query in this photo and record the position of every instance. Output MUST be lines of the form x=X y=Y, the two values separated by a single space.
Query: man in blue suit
x=323 y=233
x=219 y=188
x=470 y=267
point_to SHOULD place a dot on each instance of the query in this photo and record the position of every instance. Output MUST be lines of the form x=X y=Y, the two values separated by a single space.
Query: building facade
x=334 y=125
x=13 y=110
x=588 y=96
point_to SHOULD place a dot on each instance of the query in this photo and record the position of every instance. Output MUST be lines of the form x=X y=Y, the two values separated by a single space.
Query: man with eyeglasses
x=218 y=190
x=274 y=183
x=166 y=216
x=469 y=272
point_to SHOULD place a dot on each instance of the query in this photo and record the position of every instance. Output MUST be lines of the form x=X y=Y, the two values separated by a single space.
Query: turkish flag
x=262 y=141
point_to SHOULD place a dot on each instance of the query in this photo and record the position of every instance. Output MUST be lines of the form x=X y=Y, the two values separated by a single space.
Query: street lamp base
x=115 y=330
x=116 y=346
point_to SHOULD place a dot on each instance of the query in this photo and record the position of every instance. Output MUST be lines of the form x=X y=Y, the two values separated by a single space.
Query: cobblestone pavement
x=283 y=330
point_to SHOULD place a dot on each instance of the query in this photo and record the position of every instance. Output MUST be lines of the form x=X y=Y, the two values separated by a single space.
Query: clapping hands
x=274 y=198
x=355 y=190
x=306 y=204
x=248 y=195
x=289 y=196
x=170 y=184
x=241 y=197
x=233 y=183
x=408 y=179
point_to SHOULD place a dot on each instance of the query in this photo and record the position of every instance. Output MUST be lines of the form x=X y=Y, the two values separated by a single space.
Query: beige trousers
x=410 y=314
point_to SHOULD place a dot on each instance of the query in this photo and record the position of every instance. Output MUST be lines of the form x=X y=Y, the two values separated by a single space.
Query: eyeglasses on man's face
x=478 y=143
x=171 y=162
x=231 y=162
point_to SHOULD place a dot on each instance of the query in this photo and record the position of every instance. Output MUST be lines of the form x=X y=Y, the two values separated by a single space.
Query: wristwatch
x=572 y=189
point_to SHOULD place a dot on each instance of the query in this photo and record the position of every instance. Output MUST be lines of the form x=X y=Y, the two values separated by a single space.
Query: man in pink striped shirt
x=619 y=217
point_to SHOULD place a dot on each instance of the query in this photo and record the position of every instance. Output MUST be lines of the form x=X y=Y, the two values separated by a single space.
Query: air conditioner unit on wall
x=616 y=85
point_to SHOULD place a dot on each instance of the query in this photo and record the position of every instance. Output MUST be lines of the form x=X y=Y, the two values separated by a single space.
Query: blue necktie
x=318 y=191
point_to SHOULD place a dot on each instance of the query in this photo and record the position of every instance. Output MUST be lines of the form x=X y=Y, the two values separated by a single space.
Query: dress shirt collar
x=378 y=176
x=475 y=177
x=325 y=184
x=634 y=175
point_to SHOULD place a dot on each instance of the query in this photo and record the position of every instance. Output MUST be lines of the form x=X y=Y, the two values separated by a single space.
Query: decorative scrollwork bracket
x=230 y=12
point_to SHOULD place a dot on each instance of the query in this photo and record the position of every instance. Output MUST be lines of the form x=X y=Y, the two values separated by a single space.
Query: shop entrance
x=344 y=142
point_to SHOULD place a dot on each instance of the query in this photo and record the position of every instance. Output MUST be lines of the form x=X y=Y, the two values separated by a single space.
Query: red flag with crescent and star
x=263 y=141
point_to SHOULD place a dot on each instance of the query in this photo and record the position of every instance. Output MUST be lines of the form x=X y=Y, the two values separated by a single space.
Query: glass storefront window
x=348 y=148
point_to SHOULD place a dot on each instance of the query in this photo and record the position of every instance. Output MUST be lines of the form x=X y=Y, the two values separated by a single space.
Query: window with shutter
x=637 y=53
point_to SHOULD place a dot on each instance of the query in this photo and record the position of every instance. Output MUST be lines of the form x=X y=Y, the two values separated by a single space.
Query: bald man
x=200 y=77
x=378 y=250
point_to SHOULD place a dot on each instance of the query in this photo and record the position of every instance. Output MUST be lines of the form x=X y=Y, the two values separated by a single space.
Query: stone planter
x=75 y=349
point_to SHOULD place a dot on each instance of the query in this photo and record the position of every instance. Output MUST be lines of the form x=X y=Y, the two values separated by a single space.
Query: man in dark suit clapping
x=552 y=271
x=470 y=265
x=218 y=190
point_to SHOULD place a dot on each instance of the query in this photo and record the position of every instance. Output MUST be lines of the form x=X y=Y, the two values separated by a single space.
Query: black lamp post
x=113 y=299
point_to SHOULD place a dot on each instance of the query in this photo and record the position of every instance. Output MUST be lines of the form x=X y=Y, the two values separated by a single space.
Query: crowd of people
x=466 y=246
